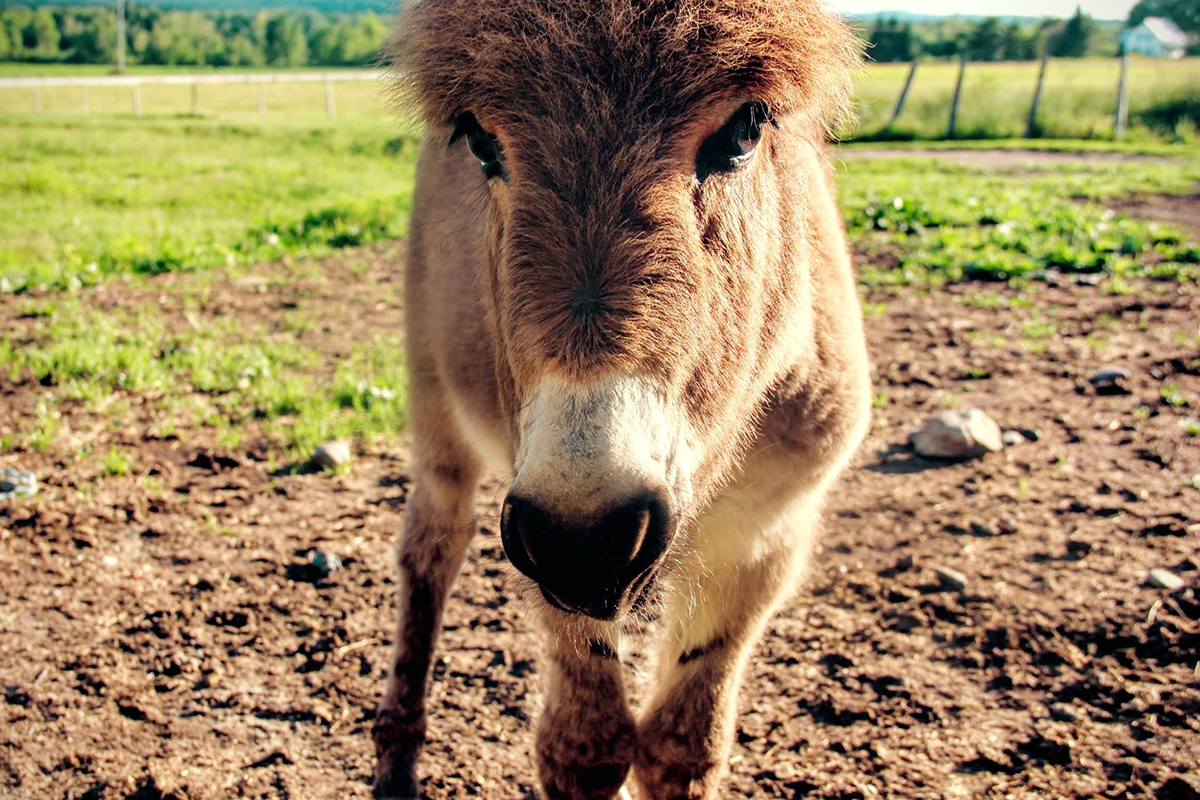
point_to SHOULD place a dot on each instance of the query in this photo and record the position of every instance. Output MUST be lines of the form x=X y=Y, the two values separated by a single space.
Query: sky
x=1102 y=9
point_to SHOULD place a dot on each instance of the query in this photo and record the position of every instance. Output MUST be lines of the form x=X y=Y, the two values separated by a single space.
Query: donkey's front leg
x=586 y=735
x=438 y=527
x=687 y=729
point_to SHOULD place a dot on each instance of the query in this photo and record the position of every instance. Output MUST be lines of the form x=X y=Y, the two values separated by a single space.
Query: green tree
x=1074 y=39
x=41 y=36
x=891 y=41
x=286 y=41
x=986 y=41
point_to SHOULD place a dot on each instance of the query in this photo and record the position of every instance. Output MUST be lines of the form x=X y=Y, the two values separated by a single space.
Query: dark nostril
x=641 y=529
x=520 y=533
x=588 y=563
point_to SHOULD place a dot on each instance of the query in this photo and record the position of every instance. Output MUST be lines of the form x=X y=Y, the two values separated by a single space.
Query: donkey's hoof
x=395 y=780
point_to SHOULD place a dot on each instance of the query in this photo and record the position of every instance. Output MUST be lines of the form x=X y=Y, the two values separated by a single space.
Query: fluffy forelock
x=509 y=59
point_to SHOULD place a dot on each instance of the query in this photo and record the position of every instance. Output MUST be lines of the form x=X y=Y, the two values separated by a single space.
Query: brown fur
x=601 y=255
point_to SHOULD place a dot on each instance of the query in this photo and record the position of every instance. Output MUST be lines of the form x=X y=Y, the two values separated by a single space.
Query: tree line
x=989 y=39
x=993 y=39
x=88 y=35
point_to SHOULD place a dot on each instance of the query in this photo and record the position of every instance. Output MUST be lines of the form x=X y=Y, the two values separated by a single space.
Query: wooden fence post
x=195 y=99
x=962 y=68
x=37 y=100
x=137 y=101
x=912 y=71
x=83 y=109
x=329 y=109
x=262 y=100
x=1122 y=99
x=1031 y=126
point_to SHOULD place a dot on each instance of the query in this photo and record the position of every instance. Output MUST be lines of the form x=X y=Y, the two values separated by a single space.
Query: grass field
x=1078 y=99
x=109 y=199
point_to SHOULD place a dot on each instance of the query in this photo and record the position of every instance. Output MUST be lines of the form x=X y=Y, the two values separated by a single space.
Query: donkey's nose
x=587 y=567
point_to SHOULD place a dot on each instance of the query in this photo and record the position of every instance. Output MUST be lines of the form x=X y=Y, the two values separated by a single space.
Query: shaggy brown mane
x=625 y=60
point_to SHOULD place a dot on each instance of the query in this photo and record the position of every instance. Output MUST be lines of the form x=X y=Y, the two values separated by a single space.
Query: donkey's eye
x=734 y=143
x=483 y=145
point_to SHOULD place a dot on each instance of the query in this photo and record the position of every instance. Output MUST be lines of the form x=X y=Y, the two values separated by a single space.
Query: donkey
x=629 y=290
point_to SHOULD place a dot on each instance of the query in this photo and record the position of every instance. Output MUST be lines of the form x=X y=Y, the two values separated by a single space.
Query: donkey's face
x=645 y=170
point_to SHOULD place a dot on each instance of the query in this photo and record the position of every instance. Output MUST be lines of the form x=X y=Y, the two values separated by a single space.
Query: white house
x=1156 y=36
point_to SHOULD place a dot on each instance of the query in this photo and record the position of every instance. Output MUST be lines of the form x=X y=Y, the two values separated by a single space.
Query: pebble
x=319 y=566
x=17 y=483
x=1164 y=579
x=984 y=529
x=1012 y=438
x=964 y=434
x=952 y=578
x=324 y=563
x=331 y=454
x=1111 y=380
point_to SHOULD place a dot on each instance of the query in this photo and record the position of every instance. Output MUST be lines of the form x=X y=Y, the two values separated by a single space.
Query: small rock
x=17 y=483
x=983 y=529
x=1164 y=579
x=1008 y=525
x=1012 y=438
x=1111 y=380
x=325 y=563
x=958 y=435
x=320 y=565
x=331 y=454
x=1089 y=279
x=951 y=578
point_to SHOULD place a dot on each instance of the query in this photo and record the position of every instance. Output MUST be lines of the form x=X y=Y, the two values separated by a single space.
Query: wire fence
x=36 y=86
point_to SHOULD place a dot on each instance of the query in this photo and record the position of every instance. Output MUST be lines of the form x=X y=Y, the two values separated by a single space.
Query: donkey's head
x=648 y=167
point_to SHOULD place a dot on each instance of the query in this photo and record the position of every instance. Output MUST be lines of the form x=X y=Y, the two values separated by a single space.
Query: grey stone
x=958 y=435
x=1164 y=579
x=331 y=454
x=1012 y=438
x=984 y=529
x=324 y=563
x=951 y=578
x=17 y=483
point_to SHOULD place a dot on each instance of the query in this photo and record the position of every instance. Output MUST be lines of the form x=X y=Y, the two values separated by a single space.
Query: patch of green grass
x=212 y=374
x=1173 y=397
x=115 y=463
x=949 y=222
x=83 y=199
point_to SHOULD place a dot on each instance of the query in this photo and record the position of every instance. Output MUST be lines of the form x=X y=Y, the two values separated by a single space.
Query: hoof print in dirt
x=958 y=435
x=1111 y=381
x=1178 y=788
x=319 y=566
x=17 y=483
x=1164 y=579
x=213 y=462
x=330 y=455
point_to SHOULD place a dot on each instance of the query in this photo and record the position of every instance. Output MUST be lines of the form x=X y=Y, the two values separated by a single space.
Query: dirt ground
x=160 y=636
